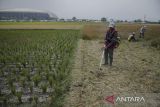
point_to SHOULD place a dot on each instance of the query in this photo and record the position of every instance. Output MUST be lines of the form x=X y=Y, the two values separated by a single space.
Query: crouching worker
x=132 y=37
x=111 y=42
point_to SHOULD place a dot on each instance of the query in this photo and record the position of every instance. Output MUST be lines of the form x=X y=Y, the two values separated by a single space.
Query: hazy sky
x=94 y=9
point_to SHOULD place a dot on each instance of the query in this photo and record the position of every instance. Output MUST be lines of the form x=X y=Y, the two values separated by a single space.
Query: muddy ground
x=136 y=69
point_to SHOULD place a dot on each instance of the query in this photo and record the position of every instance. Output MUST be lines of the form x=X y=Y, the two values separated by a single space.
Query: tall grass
x=153 y=36
x=93 y=31
x=97 y=30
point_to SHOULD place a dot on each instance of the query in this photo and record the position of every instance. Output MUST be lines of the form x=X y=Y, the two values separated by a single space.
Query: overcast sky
x=93 y=9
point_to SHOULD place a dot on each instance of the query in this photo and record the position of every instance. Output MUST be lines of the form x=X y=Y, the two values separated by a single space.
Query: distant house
x=26 y=14
x=69 y=20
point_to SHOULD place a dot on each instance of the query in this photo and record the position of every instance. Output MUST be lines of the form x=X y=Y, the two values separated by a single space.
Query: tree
x=103 y=19
x=138 y=20
x=74 y=18
x=118 y=21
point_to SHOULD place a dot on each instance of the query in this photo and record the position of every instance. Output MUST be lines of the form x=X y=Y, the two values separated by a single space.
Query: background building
x=26 y=15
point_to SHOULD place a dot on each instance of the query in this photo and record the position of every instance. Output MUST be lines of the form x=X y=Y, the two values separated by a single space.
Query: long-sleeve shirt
x=142 y=30
x=111 y=38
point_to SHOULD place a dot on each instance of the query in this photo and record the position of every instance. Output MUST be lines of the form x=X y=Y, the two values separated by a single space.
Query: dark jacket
x=111 y=38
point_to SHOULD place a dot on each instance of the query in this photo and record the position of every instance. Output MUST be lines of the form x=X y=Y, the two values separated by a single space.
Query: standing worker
x=142 y=31
x=110 y=43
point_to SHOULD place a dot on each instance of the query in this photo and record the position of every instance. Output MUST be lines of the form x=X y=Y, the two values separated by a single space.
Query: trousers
x=108 y=54
x=141 y=35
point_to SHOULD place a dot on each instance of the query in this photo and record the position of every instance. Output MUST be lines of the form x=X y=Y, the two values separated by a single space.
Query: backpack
x=117 y=43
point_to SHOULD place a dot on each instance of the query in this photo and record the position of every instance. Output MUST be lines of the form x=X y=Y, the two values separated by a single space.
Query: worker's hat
x=111 y=24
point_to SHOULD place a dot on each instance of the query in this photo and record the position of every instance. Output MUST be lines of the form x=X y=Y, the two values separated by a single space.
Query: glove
x=105 y=47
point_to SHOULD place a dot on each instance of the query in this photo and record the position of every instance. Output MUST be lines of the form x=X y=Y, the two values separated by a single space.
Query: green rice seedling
x=3 y=60
x=24 y=64
x=13 y=90
x=28 y=77
x=31 y=87
x=51 y=81
x=3 y=100
x=36 y=99
x=1 y=72
x=57 y=101
x=10 y=81
x=23 y=81
x=39 y=72
x=19 y=95
x=14 y=72
x=19 y=65
x=24 y=72
x=27 y=74
x=44 y=88
x=50 y=67
x=30 y=99
x=17 y=77
x=47 y=74
x=0 y=93
x=36 y=79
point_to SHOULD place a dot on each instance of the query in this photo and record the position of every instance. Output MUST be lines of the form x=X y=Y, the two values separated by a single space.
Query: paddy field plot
x=35 y=65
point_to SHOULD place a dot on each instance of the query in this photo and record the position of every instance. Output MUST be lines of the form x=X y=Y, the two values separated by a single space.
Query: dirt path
x=135 y=70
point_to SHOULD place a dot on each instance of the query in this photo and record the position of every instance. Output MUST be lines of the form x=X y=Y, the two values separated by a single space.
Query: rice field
x=35 y=66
